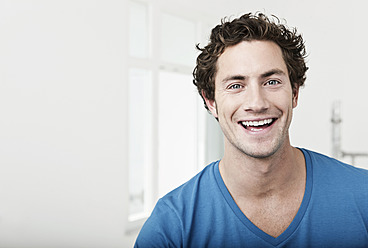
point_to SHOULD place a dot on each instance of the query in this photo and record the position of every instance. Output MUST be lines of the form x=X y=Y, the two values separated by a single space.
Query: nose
x=255 y=99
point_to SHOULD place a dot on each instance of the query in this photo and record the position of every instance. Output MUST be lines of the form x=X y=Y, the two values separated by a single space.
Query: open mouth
x=257 y=125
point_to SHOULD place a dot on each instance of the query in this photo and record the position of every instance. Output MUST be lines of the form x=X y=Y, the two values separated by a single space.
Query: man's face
x=254 y=99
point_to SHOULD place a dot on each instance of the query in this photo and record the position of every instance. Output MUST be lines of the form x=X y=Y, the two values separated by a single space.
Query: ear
x=211 y=104
x=295 y=96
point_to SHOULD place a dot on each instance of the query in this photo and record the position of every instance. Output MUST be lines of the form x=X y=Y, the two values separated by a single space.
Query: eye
x=235 y=87
x=272 y=82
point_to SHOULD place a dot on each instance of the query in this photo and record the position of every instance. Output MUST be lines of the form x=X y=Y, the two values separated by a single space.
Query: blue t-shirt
x=202 y=213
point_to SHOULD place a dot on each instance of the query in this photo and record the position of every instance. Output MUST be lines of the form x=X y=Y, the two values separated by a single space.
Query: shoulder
x=168 y=222
x=189 y=191
x=160 y=228
x=331 y=171
x=322 y=161
x=339 y=194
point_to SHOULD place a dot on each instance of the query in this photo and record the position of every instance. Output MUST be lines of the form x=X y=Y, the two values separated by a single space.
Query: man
x=263 y=192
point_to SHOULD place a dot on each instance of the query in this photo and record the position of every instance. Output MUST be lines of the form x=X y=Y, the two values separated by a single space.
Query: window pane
x=178 y=39
x=138 y=30
x=177 y=130
x=140 y=126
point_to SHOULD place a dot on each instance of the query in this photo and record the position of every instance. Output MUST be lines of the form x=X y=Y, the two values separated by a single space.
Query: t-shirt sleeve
x=162 y=229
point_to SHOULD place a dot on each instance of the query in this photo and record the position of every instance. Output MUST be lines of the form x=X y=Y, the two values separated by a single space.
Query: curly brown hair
x=249 y=27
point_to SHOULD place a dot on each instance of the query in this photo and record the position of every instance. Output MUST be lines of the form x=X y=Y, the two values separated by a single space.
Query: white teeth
x=256 y=123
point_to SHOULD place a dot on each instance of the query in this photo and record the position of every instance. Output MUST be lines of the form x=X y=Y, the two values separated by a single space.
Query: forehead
x=251 y=58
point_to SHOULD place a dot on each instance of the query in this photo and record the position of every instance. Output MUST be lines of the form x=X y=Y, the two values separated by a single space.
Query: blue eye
x=235 y=86
x=272 y=82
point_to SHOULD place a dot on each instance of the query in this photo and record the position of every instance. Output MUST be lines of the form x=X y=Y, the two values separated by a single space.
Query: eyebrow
x=234 y=77
x=263 y=75
x=272 y=72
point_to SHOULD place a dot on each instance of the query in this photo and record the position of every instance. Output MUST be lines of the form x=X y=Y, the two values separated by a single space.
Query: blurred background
x=99 y=117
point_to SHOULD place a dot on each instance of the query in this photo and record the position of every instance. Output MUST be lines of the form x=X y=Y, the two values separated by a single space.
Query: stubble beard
x=263 y=149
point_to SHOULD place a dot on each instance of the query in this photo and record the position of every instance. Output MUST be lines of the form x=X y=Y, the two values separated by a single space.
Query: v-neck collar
x=297 y=219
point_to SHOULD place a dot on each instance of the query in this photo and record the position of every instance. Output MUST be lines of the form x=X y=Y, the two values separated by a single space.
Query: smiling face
x=254 y=99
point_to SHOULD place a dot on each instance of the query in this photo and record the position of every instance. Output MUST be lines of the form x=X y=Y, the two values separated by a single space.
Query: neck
x=258 y=178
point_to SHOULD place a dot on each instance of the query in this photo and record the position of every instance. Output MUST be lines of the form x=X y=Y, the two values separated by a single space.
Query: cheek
x=283 y=104
x=286 y=100
x=228 y=107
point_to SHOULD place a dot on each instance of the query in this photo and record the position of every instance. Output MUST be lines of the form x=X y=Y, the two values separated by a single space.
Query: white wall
x=63 y=108
x=62 y=124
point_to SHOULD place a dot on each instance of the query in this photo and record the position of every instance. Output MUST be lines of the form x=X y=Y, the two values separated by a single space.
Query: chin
x=261 y=153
